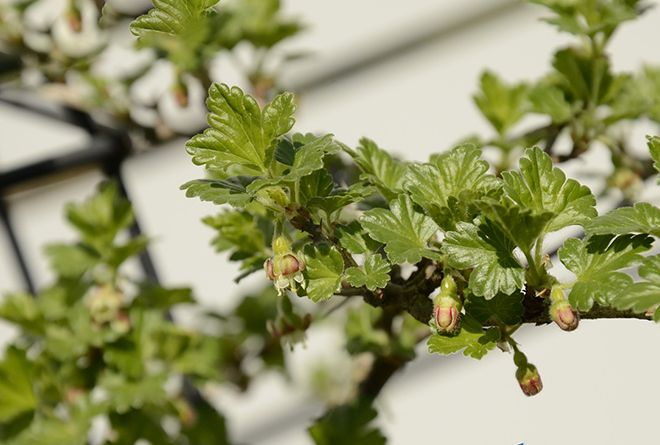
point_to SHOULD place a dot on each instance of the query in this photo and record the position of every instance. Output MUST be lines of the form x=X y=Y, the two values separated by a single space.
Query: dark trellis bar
x=106 y=151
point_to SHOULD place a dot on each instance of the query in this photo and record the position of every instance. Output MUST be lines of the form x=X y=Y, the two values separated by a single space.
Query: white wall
x=598 y=379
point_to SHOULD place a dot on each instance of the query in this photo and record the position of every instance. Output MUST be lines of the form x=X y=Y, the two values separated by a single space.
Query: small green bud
x=448 y=285
x=529 y=379
x=281 y=245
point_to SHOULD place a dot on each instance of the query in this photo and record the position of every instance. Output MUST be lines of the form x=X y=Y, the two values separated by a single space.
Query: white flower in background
x=156 y=101
x=121 y=61
x=147 y=90
x=184 y=115
x=50 y=25
x=79 y=39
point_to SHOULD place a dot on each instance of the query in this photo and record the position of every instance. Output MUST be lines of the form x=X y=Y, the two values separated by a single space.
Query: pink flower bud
x=268 y=267
x=447 y=315
x=529 y=380
x=563 y=315
x=288 y=265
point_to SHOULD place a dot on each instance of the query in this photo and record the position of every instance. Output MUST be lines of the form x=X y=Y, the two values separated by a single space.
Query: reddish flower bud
x=268 y=267
x=529 y=380
x=447 y=318
x=289 y=265
x=447 y=314
x=561 y=311
x=563 y=315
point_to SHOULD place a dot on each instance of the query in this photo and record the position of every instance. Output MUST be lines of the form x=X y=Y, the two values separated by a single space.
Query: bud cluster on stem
x=105 y=305
x=447 y=307
x=561 y=311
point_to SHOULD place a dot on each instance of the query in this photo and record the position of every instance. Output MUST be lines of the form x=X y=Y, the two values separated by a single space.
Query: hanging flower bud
x=563 y=315
x=268 y=267
x=447 y=307
x=561 y=311
x=285 y=268
x=529 y=379
x=447 y=315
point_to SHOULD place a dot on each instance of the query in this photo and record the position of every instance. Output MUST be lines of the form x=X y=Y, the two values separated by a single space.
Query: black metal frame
x=107 y=150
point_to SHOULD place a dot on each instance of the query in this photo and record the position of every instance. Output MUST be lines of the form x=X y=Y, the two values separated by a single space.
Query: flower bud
x=563 y=315
x=281 y=245
x=448 y=285
x=529 y=379
x=268 y=267
x=561 y=311
x=447 y=318
x=285 y=268
x=288 y=265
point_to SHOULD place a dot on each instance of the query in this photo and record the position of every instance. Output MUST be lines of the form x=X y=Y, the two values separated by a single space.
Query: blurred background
x=401 y=73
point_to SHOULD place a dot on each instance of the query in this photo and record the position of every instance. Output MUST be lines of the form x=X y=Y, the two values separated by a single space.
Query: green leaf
x=177 y=27
x=379 y=168
x=541 y=187
x=219 y=192
x=374 y=274
x=315 y=186
x=583 y=77
x=596 y=263
x=16 y=392
x=347 y=424
x=449 y=175
x=237 y=232
x=307 y=159
x=585 y=18
x=353 y=238
x=489 y=252
x=654 y=147
x=472 y=340
x=404 y=231
x=101 y=217
x=523 y=227
x=71 y=260
x=642 y=218
x=22 y=309
x=340 y=198
x=503 y=105
x=645 y=295
x=507 y=309
x=258 y=22
x=171 y=17
x=119 y=254
x=240 y=133
x=49 y=430
x=152 y=296
x=550 y=100
x=324 y=267
x=124 y=394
